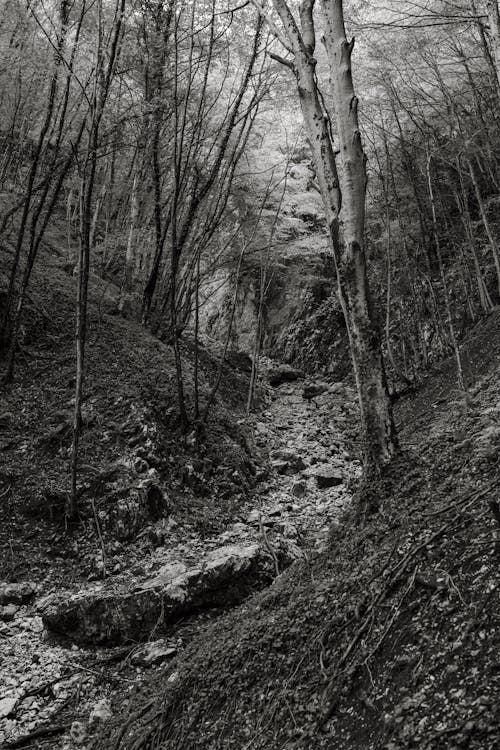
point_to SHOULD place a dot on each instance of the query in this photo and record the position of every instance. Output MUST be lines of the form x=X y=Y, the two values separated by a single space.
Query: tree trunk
x=494 y=24
x=376 y=413
x=347 y=236
x=447 y=301
x=486 y=222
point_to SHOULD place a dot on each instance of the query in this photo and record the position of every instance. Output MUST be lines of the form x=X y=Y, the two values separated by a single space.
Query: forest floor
x=380 y=632
x=275 y=478
x=389 y=637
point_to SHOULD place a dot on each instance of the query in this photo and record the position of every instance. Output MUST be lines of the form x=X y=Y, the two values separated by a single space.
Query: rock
x=134 y=507
x=269 y=522
x=337 y=387
x=113 y=615
x=140 y=465
x=78 y=732
x=239 y=360
x=281 y=467
x=254 y=517
x=154 y=653
x=327 y=477
x=311 y=390
x=8 y=612
x=299 y=489
x=7 y=707
x=284 y=374
x=17 y=593
x=276 y=510
x=287 y=461
x=101 y=711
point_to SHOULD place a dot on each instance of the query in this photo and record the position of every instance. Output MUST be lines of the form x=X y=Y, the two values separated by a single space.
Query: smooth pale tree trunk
x=494 y=24
x=486 y=47
x=486 y=222
x=380 y=442
x=347 y=235
x=447 y=301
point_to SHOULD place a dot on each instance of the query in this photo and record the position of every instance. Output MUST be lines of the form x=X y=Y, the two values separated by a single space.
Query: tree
x=343 y=192
x=102 y=79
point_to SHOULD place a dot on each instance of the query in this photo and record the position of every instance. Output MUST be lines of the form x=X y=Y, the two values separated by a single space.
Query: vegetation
x=202 y=204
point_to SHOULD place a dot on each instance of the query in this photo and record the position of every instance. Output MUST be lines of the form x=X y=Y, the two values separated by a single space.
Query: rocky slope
x=48 y=681
x=172 y=533
x=386 y=639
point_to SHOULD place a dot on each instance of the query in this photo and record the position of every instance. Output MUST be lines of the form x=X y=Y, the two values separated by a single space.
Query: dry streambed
x=63 y=652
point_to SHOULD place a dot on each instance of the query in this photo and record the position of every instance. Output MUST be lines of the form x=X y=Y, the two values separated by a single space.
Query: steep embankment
x=387 y=640
x=213 y=519
x=141 y=484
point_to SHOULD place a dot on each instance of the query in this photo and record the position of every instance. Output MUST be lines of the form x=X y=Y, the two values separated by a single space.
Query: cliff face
x=289 y=304
x=275 y=290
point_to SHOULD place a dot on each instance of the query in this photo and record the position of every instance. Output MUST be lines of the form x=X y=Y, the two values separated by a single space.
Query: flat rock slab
x=225 y=577
x=8 y=613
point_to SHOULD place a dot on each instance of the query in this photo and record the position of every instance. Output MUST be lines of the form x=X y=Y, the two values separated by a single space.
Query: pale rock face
x=225 y=576
x=297 y=275
x=7 y=706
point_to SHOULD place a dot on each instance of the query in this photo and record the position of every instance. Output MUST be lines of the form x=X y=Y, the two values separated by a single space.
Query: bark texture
x=343 y=191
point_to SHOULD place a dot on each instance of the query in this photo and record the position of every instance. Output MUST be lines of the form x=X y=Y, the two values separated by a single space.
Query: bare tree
x=343 y=191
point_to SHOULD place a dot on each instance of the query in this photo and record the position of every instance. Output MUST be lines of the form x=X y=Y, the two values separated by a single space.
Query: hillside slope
x=131 y=426
x=152 y=501
x=387 y=640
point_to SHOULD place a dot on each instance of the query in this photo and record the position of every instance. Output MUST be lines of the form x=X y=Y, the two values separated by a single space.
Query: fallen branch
x=468 y=500
x=36 y=734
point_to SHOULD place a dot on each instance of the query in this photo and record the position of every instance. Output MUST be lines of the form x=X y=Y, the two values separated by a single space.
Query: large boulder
x=17 y=593
x=284 y=374
x=124 y=614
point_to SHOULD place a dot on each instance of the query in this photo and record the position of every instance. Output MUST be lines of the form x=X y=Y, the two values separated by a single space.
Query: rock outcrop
x=130 y=508
x=123 y=614
x=17 y=593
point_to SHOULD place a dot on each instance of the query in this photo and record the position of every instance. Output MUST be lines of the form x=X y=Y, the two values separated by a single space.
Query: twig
x=133 y=720
x=392 y=618
x=268 y=547
x=395 y=575
x=458 y=503
x=36 y=734
x=103 y=548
